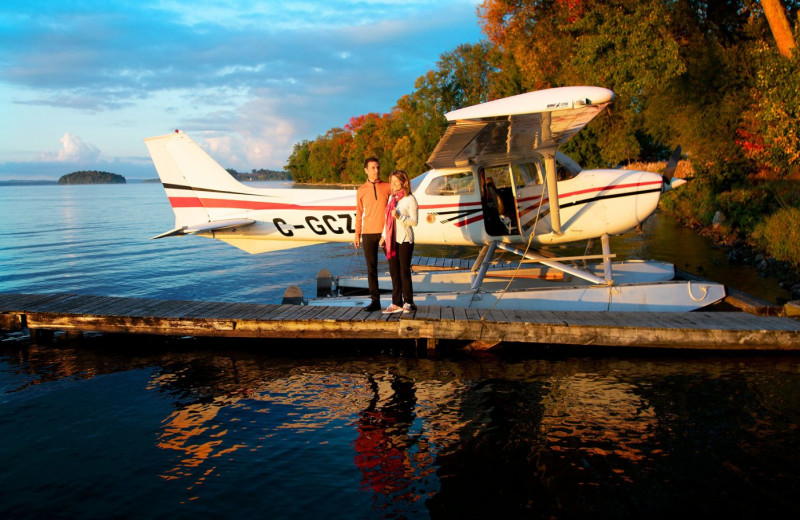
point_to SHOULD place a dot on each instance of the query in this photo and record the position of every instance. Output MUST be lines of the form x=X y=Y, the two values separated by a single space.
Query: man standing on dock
x=371 y=199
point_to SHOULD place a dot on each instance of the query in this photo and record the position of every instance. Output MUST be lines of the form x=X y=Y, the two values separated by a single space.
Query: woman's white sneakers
x=391 y=309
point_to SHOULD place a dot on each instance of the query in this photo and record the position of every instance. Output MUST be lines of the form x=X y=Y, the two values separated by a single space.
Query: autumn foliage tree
x=700 y=73
x=719 y=77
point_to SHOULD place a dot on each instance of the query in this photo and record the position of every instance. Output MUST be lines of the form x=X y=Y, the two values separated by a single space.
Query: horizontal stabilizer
x=206 y=226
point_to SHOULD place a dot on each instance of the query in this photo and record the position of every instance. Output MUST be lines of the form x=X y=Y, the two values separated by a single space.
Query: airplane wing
x=216 y=225
x=514 y=128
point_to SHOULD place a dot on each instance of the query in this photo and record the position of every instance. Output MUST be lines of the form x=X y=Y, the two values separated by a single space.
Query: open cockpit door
x=498 y=201
x=528 y=179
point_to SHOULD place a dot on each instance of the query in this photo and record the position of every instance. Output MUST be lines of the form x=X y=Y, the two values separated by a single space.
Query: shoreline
x=739 y=251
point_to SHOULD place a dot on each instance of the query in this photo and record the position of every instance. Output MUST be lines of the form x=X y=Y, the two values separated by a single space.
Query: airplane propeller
x=669 y=171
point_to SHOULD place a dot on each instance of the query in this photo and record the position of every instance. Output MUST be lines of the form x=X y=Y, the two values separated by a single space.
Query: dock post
x=73 y=335
x=41 y=336
x=11 y=322
x=431 y=346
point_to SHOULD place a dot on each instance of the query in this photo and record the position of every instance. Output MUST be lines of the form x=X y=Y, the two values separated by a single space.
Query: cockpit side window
x=526 y=174
x=460 y=183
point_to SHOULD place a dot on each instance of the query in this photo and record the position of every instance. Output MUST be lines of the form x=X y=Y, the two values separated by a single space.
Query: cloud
x=74 y=154
x=247 y=79
x=73 y=150
x=114 y=53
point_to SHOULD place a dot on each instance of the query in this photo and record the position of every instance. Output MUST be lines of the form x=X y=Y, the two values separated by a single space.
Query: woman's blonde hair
x=402 y=176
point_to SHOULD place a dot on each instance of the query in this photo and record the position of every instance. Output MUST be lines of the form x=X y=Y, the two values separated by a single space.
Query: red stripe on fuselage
x=442 y=206
x=612 y=187
x=196 y=202
x=590 y=190
x=469 y=221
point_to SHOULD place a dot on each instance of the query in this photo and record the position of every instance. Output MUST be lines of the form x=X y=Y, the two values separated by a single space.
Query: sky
x=82 y=83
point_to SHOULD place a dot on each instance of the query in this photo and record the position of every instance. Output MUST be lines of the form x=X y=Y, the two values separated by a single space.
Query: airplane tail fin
x=190 y=176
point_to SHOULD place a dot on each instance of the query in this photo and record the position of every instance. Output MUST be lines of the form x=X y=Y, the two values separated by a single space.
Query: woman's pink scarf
x=389 y=238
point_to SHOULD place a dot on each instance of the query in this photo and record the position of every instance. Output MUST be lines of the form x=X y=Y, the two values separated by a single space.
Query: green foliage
x=91 y=177
x=627 y=47
x=297 y=165
x=693 y=204
x=770 y=132
x=744 y=208
x=779 y=235
x=721 y=175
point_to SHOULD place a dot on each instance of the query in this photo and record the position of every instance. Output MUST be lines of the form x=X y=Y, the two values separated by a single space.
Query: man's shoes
x=391 y=309
x=409 y=307
x=374 y=306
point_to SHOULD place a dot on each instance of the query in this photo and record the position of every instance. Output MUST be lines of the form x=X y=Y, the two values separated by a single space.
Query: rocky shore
x=739 y=251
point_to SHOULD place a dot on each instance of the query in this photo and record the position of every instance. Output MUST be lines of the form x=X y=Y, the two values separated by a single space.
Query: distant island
x=91 y=177
x=260 y=175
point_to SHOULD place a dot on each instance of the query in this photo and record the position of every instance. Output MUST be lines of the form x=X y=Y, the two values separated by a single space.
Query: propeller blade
x=672 y=164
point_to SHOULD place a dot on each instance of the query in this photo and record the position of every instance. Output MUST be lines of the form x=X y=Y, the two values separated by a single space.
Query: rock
x=718 y=219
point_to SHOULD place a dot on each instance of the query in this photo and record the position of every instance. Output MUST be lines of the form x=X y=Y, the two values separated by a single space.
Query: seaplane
x=497 y=181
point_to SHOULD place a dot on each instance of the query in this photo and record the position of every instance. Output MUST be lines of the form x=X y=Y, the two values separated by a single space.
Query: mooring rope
x=703 y=289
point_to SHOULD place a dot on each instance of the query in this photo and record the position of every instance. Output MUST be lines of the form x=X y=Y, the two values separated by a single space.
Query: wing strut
x=552 y=189
x=555 y=264
x=486 y=260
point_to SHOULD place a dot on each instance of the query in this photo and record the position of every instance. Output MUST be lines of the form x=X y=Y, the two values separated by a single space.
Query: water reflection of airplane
x=495 y=184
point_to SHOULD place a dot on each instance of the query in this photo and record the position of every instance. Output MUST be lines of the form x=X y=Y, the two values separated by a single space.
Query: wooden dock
x=108 y=314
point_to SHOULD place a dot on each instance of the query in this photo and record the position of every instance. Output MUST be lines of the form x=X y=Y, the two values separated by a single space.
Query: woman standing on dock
x=398 y=240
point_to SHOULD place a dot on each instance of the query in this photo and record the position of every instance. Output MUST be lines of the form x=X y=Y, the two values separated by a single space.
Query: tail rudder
x=187 y=173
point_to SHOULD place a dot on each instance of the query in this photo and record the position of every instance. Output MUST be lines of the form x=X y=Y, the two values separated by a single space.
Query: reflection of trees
x=533 y=438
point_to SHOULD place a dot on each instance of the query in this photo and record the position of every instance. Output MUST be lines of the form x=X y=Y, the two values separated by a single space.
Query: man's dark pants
x=370 y=243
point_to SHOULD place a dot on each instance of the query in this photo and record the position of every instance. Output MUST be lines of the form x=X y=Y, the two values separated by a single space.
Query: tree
x=297 y=164
x=779 y=25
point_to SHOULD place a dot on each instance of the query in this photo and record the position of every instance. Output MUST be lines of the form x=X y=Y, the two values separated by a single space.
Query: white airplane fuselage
x=494 y=172
x=592 y=203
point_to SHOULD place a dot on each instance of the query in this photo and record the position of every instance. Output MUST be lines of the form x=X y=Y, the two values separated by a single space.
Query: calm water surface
x=121 y=427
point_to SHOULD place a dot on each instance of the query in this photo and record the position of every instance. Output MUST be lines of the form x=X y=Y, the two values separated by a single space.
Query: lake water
x=120 y=427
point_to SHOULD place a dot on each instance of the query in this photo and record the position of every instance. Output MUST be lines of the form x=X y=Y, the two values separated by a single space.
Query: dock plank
x=705 y=330
x=314 y=312
x=447 y=314
x=194 y=311
x=103 y=306
x=23 y=302
x=353 y=314
x=125 y=305
x=119 y=305
x=473 y=314
x=275 y=313
x=256 y=310
x=56 y=304
x=282 y=310
x=291 y=314
x=460 y=314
